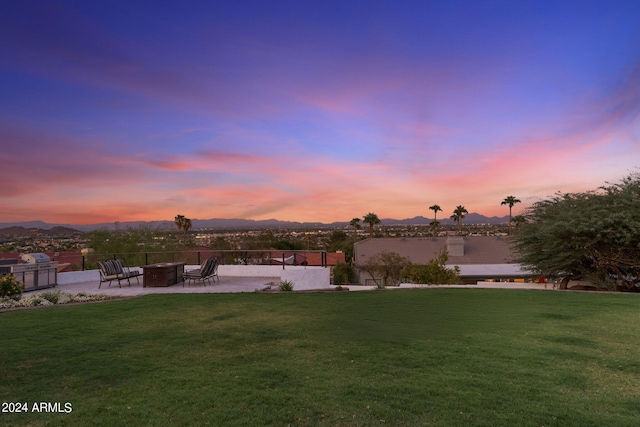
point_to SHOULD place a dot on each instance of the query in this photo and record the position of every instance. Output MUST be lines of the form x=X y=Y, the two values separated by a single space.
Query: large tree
x=385 y=268
x=371 y=219
x=458 y=214
x=593 y=236
x=435 y=209
x=510 y=200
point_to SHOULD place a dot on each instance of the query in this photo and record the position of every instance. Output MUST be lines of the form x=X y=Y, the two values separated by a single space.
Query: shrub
x=286 y=285
x=343 y=273
x=386 y=268
x=10 y=286
x=51 y=296
x=433 y=273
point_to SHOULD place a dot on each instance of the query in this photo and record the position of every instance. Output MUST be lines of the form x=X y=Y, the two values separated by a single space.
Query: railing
x=233 y=257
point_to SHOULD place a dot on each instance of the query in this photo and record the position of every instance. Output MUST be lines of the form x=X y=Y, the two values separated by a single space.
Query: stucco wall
x=305 y=278
x=249 y=270
x=78 y=277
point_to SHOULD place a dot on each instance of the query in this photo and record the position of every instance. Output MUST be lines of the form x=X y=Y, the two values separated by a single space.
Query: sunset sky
x=311 y=111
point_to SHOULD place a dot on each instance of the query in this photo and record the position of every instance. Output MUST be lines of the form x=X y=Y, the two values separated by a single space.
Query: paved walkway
x=225 y=285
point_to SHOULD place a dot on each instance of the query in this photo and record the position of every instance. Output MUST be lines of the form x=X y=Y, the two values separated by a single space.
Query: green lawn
x=442 y=357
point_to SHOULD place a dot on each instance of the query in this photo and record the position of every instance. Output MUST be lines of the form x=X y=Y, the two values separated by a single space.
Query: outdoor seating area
x=160 y=277
x=226 y=284
x=115 y=269
x=163 y=274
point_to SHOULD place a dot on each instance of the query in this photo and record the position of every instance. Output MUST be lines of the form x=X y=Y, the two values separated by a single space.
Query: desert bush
x=433 y=273
x=51 y=296
x=343 y=273
x=10 y=286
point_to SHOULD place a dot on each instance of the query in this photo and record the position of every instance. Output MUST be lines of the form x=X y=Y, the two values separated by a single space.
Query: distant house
x=332 y=258
x=286 y=258
x=478 y=257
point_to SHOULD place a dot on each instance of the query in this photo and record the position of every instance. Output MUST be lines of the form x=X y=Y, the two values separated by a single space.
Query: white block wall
x=78 y=277
x=305 y=278
x=250 y=270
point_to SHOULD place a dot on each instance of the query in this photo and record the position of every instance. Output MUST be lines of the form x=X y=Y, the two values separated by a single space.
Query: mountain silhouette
x=234 y=224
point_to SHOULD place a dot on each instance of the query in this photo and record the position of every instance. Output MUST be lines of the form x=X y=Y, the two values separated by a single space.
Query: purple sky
x=323 y=111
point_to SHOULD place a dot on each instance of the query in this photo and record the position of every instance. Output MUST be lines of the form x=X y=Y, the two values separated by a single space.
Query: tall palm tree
x=186 y=225
x=371 y=219
x=179 y=221
x=355 y=223
x=458 y=214
x=435 y=209
x=510 y=201
x=182 y=223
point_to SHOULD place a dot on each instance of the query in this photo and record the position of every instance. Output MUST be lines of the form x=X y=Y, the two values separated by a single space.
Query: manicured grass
x=404 y=357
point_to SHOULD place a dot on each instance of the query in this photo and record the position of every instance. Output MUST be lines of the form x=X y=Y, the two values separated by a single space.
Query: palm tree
x=458 y=214
x=355 y=223
x=510 y=201
x=435 y=209
x=182 y=223
x=371 y=219
x=186 y=225
x=179 y=221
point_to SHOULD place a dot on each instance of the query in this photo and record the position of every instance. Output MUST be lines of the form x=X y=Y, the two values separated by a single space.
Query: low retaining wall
x=70 y=277
x=248 y=270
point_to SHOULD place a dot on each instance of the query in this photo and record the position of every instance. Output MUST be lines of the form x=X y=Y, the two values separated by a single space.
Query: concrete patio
x=225 y=285
x=232 y=279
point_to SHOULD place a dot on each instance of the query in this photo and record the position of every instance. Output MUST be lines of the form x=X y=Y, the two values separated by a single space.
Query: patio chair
x=207 y=271
x=214 y=272
x=114 y=269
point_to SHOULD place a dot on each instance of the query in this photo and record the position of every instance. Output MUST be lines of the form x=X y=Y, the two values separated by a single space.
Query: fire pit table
x=162 y=274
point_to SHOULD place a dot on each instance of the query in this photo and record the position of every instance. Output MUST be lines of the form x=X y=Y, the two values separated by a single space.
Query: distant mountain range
x=17 y=230
x=229 y=224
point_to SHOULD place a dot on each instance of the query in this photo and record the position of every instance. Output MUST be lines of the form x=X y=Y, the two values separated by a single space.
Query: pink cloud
x=36 y=161
x=172 y=163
